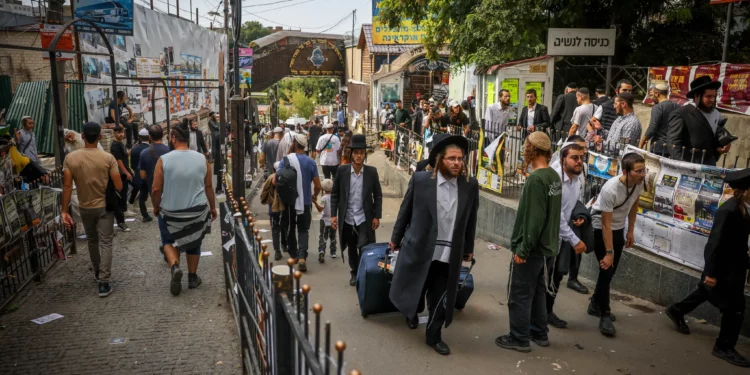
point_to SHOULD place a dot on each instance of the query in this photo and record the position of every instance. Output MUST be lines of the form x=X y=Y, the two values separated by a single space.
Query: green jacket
x=402 y=115
x=537 y=227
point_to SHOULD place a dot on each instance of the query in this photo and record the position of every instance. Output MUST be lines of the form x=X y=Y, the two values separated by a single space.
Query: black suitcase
x=465 y=286
x=374 y=281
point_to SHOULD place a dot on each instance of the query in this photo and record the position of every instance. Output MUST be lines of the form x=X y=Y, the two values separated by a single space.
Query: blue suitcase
x=465 y=286
x=374 y=281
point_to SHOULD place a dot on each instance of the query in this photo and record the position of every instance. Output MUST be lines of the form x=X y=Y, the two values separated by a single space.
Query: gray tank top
x=184 y=176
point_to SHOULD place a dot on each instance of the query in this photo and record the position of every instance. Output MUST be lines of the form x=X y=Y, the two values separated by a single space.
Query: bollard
x=283 y=284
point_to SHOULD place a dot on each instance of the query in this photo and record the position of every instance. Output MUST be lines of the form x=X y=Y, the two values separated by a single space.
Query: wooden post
x=196 y=15
x=178 y=8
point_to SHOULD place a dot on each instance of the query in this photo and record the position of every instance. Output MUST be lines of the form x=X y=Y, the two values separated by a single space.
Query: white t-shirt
x=613 y=194
x=329 y=156
x=581 y=116
x=326 y=214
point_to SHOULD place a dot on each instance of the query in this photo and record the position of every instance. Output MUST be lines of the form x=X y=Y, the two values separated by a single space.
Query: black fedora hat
x=738 y=179
x=702 y=83
x=359 y=141
x=441 y=141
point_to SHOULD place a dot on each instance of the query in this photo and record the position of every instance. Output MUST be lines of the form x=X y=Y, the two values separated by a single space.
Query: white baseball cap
x=301 y=139
x=277 y=129
x=454 y=103
x=143 y=132
x=329 y=126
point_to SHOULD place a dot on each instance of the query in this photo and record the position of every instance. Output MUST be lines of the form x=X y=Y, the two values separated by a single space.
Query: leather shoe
x=353 y=280
x=732 y=356
x=594 y=310
x=678 y=320
x=413 y=323
x=578 y=287
x=277 y=255
x=555 y=321
x=441 y=348
x=606 y=327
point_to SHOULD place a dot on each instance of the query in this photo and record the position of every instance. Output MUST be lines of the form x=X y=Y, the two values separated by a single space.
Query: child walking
x=326 y=232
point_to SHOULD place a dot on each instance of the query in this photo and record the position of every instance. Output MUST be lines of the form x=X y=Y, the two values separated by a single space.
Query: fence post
x=283 y=284
x=237 y=108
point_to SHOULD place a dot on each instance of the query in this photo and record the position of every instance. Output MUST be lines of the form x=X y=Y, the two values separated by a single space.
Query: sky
x=329 y=16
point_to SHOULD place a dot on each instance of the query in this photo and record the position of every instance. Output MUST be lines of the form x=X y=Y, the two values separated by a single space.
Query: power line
x=260 y=5
x=298 y=26
x=287 y=6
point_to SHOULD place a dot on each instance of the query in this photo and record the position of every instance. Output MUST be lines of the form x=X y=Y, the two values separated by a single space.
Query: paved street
x=190 y=334
x=646 y=341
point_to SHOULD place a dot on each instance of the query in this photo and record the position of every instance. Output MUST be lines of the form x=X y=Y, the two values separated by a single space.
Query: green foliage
x=283 y=113
x=303 y=104
x=319 y=90
x=252 y=30
x=488 y=32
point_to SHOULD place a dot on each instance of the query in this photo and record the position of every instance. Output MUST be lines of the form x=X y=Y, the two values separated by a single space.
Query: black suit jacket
x=562 y=111
x=416 y=230
x=541 y=117
x=372 y=201
x=689 y=129
x=201 y=142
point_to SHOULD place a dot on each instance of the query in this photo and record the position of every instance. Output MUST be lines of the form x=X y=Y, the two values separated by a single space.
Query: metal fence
x=34 y=239
x=271 y=308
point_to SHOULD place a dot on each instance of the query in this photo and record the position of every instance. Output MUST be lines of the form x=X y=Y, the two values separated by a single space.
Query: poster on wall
x=735 y=89
x=171 y=57
x=511 y=84
x=491 y=165
x=246 y=68
x=655 y=75
x=112 y=16
x=406 y=33
x=679 y=84
x=539 y=88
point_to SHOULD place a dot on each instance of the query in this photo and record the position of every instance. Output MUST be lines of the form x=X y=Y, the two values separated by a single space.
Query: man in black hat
x=356 y=203
x=694 y=126
x=723 y=279
x=562 y=111
x=435 y=231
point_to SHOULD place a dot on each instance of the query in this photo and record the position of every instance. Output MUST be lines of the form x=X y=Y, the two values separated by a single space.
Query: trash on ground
x=492 y=246
x=47 y=318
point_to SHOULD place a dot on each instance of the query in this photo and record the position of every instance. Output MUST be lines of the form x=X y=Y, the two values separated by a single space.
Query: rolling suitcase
x=465 y=286
x=374 y=281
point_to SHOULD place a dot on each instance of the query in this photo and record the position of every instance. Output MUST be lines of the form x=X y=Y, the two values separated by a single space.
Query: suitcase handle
x=473 y=262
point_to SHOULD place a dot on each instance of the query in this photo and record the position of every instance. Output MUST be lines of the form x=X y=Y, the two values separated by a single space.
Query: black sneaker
x=104 y=289
x=322 y=257
x=175 y=286
x=540 y=339
x=510 y=342
x=678 y=320
x=555 y=321
x=594 y=310
x=606 y=327
x=277 y=254
x=732 y=356
x=147 y=219
x=123 y=227
x=194 y=280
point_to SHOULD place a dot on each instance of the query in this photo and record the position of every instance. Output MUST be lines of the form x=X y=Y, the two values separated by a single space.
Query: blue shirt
x=135 y=158
x=148 y=161
x=309 y=171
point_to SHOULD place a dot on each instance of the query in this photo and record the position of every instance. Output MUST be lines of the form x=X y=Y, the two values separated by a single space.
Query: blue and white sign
x=113 y=16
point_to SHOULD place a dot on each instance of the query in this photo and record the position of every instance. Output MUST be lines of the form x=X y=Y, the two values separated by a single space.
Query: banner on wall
x=406 y=33
x=677 y=207
x=246 y=68
x=112 y=16
x=511 y=84
x=47 y=32
x=733 y=96
x=491 y=165
x=139 y=56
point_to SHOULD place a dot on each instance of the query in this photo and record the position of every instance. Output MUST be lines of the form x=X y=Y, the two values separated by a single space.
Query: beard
x=705 y=108
x=447 y=172
x=77 y=144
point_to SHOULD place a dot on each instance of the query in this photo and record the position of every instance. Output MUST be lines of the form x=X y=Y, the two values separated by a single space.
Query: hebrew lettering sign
x=581 y=42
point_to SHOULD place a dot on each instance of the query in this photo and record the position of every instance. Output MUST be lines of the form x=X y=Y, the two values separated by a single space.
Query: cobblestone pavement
x=193 y=333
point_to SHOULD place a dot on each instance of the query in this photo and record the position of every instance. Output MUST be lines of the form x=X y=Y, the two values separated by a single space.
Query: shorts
x=166 y=238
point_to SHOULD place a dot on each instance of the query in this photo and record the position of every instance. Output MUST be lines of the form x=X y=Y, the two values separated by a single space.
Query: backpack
x=286 y=183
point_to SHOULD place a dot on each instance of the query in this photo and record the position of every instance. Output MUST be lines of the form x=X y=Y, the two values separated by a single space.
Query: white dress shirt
x=571 y=190
x=447 y=205
x=355 y=212
x=530 y=118
x=497 y=119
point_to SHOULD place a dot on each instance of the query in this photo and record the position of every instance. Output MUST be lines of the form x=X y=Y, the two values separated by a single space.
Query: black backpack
x=286 y=183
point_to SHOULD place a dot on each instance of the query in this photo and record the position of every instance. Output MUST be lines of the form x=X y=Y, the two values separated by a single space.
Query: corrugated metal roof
x=492 y=69
x=76 y=107
x=34 y=99
x=384 y=48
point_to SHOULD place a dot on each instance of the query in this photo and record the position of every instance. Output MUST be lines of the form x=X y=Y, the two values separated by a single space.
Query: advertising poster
x=49 y=200
x=47 y=32
x=112 y=16
x=246 y=68
x=602 y=166
x=490 y=167
x=708 y=202
x=653 y=168
x=712 y=71
x=11 y=215
x=679 y=84
x=171 y=56
x=539 y=87
x=735 y=89
x=406 y=33
x=511 y=85
x=685 y=196
x=664 y=195
x=490 y=93
x=655 y=75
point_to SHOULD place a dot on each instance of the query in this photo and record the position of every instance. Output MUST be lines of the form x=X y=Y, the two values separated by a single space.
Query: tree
x=488 y=32
x=321 y=90
x=283 y=112
x=303 y=104
x=252 y=30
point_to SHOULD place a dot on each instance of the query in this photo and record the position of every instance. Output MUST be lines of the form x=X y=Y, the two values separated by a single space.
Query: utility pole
x=609 y=58
x=191 y=12
x=354 y=18
x=237 y=16
x=730 y=10
x=55 y=16
x=178 y=8
x=196 y=16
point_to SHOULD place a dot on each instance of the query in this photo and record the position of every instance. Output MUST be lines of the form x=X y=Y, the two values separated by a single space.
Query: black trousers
x=350 y=236
x=436 y=287
x=292 y=222
x=527 y=303
x=277 y=234
x=122 y=201
x=140 y=190
x=575 y=265
x=329 y=171
x=601 y=292
x=732 y=315
x=555 y=278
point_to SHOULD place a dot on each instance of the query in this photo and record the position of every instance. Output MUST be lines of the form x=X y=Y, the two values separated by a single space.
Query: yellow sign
x=542 y=68
x=539 y=87
x=511 y=84
x=490 y=93
x=406 y=33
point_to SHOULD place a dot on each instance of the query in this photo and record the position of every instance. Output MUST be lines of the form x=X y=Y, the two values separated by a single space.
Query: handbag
x=723 y=136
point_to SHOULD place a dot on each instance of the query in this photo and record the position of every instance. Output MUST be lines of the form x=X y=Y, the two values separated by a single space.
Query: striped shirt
x=626 y=126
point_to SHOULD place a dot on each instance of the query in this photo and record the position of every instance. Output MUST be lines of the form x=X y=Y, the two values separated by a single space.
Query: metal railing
x=36 y=238
x=270 y=306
